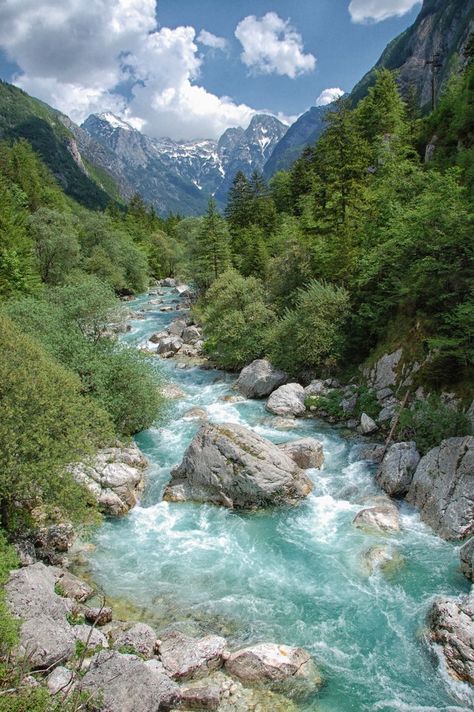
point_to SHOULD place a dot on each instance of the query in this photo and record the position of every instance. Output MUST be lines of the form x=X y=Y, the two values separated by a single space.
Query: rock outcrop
x=288 y=400
x=259 y=379
x=125 y=683
x=466 y=556
x=278 y=666
x=383 y=373
x=115 y=477
x=396 y=471
x=231 y=465
x=443 y=488
x=451 y=626
x=306 y=452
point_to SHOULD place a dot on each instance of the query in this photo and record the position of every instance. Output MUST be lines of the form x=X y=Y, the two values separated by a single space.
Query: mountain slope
x=304 y=132
x=443 y=27
x=179 y=176
x=22 y=116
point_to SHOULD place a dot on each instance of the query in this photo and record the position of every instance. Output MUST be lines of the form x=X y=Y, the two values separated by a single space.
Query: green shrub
x=429 y=422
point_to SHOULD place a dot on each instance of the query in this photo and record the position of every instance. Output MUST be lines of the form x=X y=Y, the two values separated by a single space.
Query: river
x=297 y=576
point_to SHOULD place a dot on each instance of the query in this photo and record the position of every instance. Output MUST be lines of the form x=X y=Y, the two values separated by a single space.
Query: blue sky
x=191 y=68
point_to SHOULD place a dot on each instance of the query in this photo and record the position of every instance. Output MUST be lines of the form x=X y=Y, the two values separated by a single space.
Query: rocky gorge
x=201 y=575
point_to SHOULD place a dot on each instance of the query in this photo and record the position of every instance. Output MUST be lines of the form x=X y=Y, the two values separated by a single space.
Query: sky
x=189 y=69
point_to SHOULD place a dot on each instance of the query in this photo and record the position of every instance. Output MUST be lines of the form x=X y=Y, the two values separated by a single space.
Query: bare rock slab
x=451 y=626
x=127 y=684
x=231 y=465
x=281 y=667
x=259 y=379
x=397 y=468
x=186 y=658
x=306 y=452
x=466 y=556
x=288 y=400
x=443 y=488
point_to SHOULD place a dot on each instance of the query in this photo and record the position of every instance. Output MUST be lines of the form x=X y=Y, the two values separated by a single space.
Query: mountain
x=304 y=132
x=47 y=130
x=442 y=27
x=179 y=176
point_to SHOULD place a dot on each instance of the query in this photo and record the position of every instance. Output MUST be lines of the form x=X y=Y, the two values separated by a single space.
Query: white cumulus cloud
x=271 y=45
x=76 y=56
x=328 y=96
x=210 y=40
x=378 y=10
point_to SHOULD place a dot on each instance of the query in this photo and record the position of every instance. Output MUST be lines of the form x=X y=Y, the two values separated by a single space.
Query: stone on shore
x=367 y=425
x=443 y=488
x=74 y=587
x=127 y=684
x=396 y=471
x=139 y=638
x=115 y=477
x=259 y=379
x=186 y=658
x=306 y=452
x=383 y=519
x=281 y=667
x=169 y=344
x=287 y=400
x=231 y=465
x=451 y=626
x=98 y=615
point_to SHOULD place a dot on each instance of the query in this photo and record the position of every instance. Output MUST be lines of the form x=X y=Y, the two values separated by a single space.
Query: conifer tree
x=213 y=251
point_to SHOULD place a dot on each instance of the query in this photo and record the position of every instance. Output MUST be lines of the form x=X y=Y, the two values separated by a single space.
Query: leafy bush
x=430 y=421
x=311 y=336
x=236 y=320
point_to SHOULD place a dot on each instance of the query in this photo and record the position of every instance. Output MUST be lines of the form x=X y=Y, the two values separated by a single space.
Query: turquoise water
x=295 y=576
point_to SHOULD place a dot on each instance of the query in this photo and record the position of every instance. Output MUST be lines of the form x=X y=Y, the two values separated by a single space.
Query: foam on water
x=297 y=575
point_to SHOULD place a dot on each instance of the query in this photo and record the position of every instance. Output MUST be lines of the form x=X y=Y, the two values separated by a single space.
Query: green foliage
x=430 y=421
x=46 y=423
x=311 y=336
x=236 y=320
x=366 y=403
x=212 y=248
x=8 y=626
x=55 y=243
x=330 y=404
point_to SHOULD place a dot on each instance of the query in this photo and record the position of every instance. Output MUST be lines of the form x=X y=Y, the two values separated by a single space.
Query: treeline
x=361 y=245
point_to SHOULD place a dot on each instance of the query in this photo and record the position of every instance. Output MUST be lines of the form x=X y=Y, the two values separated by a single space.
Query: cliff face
x=442 y=27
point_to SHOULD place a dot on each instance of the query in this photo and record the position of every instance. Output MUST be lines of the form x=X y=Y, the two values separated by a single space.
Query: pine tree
x=239 y=203
x=213 y=252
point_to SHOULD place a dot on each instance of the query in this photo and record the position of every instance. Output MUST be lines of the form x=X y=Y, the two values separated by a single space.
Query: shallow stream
x=296 y=576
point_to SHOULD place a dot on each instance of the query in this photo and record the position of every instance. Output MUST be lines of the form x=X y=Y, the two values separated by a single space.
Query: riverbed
x=296 y=576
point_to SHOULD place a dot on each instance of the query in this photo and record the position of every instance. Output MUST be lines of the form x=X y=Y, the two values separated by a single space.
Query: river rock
x=127 y=684
x=46 y=642
x=383 y=519
x=306 y=452
x=168 y=282
x=259 y=379
x=156 y=338
x=177 y=327
x=196 y=414
x=370 y=452
x=397 y=468
x=60 y=680
x=191 y=334
x=99 y=615
x=184 y=657
x=451 y=626
x=25 y=550
x=169 y=344
x=381 y=558
x=443 y=488
x=232 y=465
x=316 y=388
x=53 y=542
x=74 y=587
x=287 y=400
x=367 y=425
x=276 y=666
x=204 y=697
x=115 y=477
x=466 y=555
x=140 y=638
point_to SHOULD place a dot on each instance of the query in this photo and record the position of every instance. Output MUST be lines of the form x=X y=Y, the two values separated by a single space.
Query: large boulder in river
x=397 y=468
x=443 y=488
x=451 y=626
x=287 y=400
x=115 y=477
x=466 y=556
x=169 y=344
x=259 y=379
x=306 y=452
x=231 y=465
x=278 y=666
x=381 y=519
x=125 y=683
